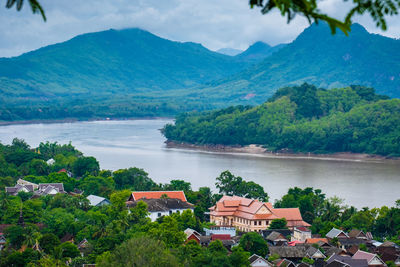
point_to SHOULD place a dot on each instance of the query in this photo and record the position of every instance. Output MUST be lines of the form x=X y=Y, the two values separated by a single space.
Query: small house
x=372 y=259
x=97 y=201
x=336 y=233
x=301 y=234
x=258 y=261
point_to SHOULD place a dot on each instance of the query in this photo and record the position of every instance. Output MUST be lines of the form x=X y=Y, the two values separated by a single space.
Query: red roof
x=62 y=170
x=157 y=194
x=220 y=237
x=293 y=243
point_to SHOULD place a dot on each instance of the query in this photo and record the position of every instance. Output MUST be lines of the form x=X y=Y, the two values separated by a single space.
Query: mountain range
x=131 y=72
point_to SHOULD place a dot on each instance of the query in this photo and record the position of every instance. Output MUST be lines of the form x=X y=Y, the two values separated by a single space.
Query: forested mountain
x=133 y=73
x=113 y=61
x=258 y=51
x=301 y=118
x=325 y=60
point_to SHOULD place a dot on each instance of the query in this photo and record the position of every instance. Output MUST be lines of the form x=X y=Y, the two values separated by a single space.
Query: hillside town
x=288 y=238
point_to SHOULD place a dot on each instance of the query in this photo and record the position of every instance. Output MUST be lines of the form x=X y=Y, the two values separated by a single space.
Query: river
x=123 y=144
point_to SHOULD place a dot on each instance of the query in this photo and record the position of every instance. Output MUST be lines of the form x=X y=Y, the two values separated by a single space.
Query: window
x=159 y=214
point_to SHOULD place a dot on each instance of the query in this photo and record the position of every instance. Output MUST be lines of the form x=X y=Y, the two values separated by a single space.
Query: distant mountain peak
x=229 y=51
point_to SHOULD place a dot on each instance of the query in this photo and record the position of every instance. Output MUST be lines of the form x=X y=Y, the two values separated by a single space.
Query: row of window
x=249 y=222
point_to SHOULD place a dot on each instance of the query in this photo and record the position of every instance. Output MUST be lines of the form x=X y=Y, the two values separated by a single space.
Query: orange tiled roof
x=316 y=240
x=157 y=194
x=249 y=209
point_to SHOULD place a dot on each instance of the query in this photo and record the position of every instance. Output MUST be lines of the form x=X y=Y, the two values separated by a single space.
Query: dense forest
x=112 y=231
x=301 y=119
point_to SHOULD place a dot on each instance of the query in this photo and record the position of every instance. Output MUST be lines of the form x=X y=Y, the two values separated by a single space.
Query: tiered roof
x=253 y=209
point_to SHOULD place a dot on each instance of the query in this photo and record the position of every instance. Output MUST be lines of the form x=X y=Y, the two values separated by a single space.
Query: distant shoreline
x=72 y=120
x=257 y=150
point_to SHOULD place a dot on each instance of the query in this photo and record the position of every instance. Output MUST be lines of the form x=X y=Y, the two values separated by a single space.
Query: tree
x=239 y=257
x=68 y=250
x=85 y=165
x=229 y=184
x=138 y=251
x=133 y=178
x=278 y=224
x=48 y=242
x=254 y=243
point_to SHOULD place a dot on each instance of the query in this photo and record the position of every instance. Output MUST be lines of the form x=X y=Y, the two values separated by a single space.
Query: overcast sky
x=213 y=23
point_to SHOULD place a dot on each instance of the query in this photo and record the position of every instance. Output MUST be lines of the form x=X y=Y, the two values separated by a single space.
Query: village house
x=97 y=201
x=250 y=215
x=338 y=260
x=161 y=203
x=276 y=239
x=336 y=233
x=3 y=241
x=24 y=182
x=258 y=261
x=49 y=189
x=19 y=188
x=220 y=230
x=372 y=259
x=301 y=234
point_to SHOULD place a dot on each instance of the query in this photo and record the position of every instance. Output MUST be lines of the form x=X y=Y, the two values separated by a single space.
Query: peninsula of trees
x=300 y=119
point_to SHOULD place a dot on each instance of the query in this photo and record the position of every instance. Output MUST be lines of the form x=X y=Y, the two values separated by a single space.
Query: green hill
x=301 y=118
x=113 y=61
x=322 y=59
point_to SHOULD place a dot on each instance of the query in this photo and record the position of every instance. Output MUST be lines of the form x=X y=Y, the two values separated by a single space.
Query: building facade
x=250 y=215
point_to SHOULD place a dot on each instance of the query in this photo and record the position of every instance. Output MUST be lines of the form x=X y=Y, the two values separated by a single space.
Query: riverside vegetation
x=113 y=231
x=301 y=119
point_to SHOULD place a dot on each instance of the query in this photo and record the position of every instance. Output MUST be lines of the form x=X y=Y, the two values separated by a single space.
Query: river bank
x=258 y=150
x=73 y=120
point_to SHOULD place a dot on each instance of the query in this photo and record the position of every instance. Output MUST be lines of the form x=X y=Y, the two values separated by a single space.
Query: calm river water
x=123 y=144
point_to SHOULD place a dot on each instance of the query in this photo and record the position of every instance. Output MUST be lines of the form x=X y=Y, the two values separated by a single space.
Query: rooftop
x=157 y=195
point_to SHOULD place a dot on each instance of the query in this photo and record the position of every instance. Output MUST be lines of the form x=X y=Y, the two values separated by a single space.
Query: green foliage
x=48 y=242
x=133 y=178
x=229 y=184
x=300 y=119
x=68 y=250
x=278 y=224
x=254 y=243
x=86 y=165
x=139 y=251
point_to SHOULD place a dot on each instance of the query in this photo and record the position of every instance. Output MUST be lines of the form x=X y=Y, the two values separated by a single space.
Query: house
x=192 y=235
x=226 y=240
x=19 y=188
x=251 y=215
x=294 y=254
x=258 y=261
x=276 y=239
x=3 y=241
x=285 y=263
x=24 y=182
x=372 y=259
x=162 y=206
x=97 y=201
x=336 y=233
x=314 y=253
x=135 y=196
x=301 y=234
x=220 y=230
x=346 y=261
x=50 y=162
x=347 y=243
x=285 y=232
x=357 y=234
x=50 y=189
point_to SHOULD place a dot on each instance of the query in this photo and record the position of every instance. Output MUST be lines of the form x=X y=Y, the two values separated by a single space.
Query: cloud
x=215 y=24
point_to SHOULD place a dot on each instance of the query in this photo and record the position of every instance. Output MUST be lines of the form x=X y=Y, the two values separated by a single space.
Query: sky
x=213 y=23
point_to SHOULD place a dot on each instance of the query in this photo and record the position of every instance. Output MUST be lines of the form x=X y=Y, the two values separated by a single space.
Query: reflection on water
x=123 y=144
